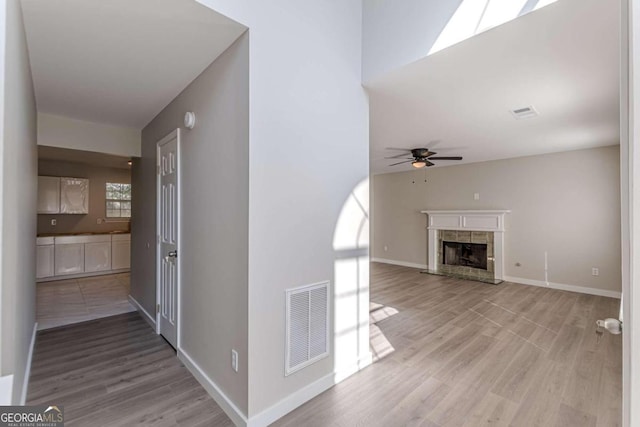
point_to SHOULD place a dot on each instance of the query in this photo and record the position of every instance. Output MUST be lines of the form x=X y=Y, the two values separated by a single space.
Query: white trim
x=6 y=390
x=630 y=230
x=564 y=287
x=27 y=371
x=232 y=411
x=305 y=394
x=281 y=408
x=400 y=263
x=145 y=314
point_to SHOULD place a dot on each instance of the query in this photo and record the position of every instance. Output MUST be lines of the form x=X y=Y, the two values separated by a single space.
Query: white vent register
x=307 y=326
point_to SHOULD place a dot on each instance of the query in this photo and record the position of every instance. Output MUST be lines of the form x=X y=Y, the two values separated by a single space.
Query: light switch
x=54 y=222
x=476 y=196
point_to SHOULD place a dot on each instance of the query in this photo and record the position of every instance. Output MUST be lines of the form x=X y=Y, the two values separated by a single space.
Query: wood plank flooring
x=448 y=353
x=458 y=353
x=116 y=371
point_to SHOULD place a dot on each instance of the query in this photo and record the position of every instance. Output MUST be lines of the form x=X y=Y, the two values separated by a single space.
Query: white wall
x=214 y=180
x=64 y=132
x=19 y=181
x=567 y=204
x=309 y=150
x=397 y=33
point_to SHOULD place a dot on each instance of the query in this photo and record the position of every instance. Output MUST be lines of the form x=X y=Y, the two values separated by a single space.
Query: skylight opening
x=475 y=16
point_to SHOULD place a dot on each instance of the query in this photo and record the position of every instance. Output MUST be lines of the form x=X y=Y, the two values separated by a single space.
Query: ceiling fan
x=420 y=157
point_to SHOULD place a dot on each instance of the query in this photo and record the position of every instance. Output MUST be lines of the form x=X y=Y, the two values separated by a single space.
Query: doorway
x=168 y=275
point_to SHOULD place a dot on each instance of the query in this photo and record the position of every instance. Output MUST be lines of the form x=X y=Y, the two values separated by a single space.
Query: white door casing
x=168 y=275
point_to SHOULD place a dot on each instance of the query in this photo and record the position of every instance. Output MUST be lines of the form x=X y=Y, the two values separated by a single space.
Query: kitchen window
x=118 y=200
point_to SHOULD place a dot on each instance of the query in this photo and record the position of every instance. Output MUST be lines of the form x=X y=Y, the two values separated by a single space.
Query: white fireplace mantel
x=470 y=220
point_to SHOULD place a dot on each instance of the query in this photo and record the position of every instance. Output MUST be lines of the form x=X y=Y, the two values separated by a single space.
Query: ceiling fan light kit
x=418 y=164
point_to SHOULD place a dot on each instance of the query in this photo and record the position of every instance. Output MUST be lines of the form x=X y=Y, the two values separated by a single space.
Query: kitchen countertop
x=82 y=234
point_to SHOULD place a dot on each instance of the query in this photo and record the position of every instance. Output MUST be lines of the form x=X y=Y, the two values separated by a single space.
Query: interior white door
x=168 y=229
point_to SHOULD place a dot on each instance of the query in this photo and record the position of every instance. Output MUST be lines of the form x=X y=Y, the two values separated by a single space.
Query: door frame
x=175 y=134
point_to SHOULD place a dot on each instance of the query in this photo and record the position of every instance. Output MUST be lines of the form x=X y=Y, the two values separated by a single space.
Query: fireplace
x=466 y=244
x=472 y=255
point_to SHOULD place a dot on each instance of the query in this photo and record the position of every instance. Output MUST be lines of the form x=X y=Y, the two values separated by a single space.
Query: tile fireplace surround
x=467 y=227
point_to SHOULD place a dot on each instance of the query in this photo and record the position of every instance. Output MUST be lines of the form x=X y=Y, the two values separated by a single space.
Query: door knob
x=173 y=254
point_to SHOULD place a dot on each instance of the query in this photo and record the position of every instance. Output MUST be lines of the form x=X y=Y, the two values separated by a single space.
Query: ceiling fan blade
x=401 y=149
x=399 y=163
x=445 y=158
x=399 y=156
x=428 y=163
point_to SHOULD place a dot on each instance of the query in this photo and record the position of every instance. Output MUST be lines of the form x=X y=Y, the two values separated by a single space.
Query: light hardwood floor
x=65 y=302
x=116 y=371
x=459 y=353
x=449 y=353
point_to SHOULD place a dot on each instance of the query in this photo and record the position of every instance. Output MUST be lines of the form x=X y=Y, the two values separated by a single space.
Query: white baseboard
x=564 y=287
x=282 y=407
x=400 y=263
x=145 y=314
x=27 y=371
x=302 y=396
x=236 y=415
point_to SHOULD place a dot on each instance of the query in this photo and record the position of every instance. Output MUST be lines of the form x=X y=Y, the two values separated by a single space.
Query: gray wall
x=19 y=184
x=567 y=204
x=98 y=177
x=214 y=223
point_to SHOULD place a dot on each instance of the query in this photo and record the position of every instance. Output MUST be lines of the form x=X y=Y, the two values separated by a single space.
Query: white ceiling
x=562 y=59
x=119 y=62
x=90 y=158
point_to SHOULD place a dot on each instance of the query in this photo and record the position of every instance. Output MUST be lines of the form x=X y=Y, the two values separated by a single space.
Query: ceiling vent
x=525 y=112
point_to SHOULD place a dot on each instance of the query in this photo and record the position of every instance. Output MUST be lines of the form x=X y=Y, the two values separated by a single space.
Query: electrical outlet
x=595 y=271
x=385 y=248
x=476 y=196
x=54 y=222
x=234 y=360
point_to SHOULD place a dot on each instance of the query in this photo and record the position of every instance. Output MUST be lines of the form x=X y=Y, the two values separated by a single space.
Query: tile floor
x=64 y=302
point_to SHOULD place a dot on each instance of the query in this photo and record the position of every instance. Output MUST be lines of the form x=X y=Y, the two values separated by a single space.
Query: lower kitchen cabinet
x=44 y=257
x=121 y=251
x=82 y=255
x=69 y=259
x=97 y=256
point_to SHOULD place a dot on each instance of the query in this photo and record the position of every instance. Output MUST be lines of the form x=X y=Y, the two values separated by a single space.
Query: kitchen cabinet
x=121 y=251
x=97 y=254
x=82 y=255
x=74 y=196
x=44 y=257
x=48 y=195
x=69 y=258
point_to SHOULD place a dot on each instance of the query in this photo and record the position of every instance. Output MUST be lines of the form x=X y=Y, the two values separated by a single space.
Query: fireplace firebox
x=472 y=255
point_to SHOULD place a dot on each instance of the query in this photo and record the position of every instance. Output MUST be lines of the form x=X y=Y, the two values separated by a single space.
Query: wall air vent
x=307 y=326
x=525 y=112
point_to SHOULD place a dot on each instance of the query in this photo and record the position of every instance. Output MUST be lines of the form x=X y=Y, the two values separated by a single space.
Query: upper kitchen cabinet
x=48 y=195
x=74 y=196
